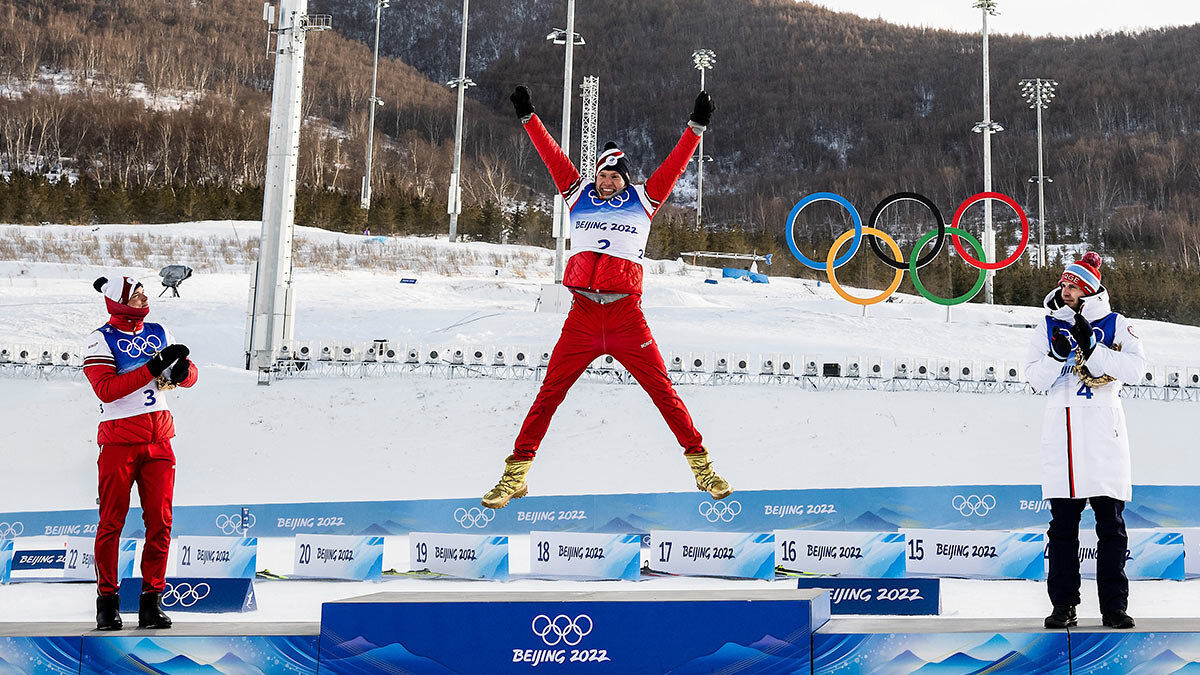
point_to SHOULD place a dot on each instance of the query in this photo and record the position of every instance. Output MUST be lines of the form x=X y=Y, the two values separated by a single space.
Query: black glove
x=521 y=102
x=1082 y=332
x=179 y=371
x=1060 y=345
x=159 y=362
x=702 y=113
x=1057 y=301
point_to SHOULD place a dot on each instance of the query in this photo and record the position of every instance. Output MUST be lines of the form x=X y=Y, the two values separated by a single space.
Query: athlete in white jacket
x=1085 y=448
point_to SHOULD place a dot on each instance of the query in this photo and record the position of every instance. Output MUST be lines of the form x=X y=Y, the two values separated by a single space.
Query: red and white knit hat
x=612 y=158
x=1084 y=273
x=117 y=290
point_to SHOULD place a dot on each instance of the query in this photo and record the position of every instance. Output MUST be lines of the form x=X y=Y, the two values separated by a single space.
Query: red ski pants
x=592 y=329
x=152 y=467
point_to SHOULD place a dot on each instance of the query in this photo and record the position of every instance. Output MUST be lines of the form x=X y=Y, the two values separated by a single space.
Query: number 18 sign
x=585 y=555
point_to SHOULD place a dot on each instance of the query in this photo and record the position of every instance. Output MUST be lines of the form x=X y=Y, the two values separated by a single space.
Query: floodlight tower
x=562 y=218
x=454 y=198
x=271 y=301
x=590 y=93
x=987 y=127
x=1038 y=93
x=372 y=102
x=703 y=59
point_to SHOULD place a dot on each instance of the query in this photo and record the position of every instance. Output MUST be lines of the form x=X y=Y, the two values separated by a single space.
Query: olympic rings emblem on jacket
x=11 y=530
x=140 y=346
x=973 y=505
x=723 y=511
x=229 y=524
x=562 y=628
x=184 y=594
x=615 y=201
x=473 y=517
x=896 y=260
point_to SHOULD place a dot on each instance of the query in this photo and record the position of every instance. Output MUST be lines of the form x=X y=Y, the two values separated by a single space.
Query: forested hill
x=159 y=107
x=810 y=99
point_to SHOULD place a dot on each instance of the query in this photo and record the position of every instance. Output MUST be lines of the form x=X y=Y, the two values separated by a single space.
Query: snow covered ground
x=305 y=440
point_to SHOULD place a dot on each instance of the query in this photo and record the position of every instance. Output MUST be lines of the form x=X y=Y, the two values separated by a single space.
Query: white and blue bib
x=618 y=226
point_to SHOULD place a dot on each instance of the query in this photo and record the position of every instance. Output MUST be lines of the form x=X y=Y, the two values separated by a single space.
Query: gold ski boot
x=512 y=483
x=707 y=480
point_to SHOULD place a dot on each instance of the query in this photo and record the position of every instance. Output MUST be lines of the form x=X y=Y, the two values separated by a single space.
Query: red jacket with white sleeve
x=133 y=410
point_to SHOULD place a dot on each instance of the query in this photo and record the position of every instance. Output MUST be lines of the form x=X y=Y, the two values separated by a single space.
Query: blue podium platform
x=767 y=630
x=754 y=631
x=949 y=646
x=187 y=648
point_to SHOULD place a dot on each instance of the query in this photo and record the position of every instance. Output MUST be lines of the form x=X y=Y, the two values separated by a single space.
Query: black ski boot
x=150 y=614
x=1063 y=616
x=1119 y=620
x=108 y=614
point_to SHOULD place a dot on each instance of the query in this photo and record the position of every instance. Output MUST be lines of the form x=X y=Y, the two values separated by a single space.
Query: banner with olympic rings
x=874 y=235
x=874 y=509
x=601 y=630
x=193 y=594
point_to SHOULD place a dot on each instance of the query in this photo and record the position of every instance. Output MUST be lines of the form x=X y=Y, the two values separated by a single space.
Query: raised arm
x=562 y=170
x=663 y=180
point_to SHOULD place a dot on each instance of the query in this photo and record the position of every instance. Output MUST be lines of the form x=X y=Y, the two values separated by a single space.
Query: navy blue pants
x=1062 y=579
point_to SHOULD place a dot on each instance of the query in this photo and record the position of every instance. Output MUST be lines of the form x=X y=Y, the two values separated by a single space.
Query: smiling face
x=1071 y=294
x=609 y=183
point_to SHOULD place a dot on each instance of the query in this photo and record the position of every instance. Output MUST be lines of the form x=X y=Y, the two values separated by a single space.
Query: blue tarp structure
x=735 y=273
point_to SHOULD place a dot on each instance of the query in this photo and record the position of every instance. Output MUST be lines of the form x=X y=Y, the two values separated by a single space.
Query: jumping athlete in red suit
x=132 y=365
x=610 y=224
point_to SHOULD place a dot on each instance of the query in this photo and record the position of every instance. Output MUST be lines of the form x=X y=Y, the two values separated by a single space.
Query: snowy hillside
x=408 y=437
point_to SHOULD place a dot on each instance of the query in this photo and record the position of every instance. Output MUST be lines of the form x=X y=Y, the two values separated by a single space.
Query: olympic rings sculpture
x=896 y=261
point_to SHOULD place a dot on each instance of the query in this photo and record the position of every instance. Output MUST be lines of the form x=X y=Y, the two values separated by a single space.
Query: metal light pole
x=987 y=127
x=1037 y=93
x=373 y=101
x=269 y=322
x=454 y=195
x=704 y=59
x=562 y=217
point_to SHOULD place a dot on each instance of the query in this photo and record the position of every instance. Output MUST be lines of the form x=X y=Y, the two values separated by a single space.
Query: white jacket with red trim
x=1085 y=446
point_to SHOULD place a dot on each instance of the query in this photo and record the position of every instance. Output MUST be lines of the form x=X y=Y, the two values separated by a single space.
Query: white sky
x=1034 y=17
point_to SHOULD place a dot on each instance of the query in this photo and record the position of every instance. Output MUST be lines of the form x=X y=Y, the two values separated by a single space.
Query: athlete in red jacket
x=131 y=366
x=610 y=224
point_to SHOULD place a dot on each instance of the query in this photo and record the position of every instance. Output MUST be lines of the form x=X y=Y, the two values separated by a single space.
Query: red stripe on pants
x=1070 y=459
x=591 y=330
x=152 y=468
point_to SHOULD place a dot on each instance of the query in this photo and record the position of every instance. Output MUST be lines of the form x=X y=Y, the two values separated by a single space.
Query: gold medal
x=1086 y=377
